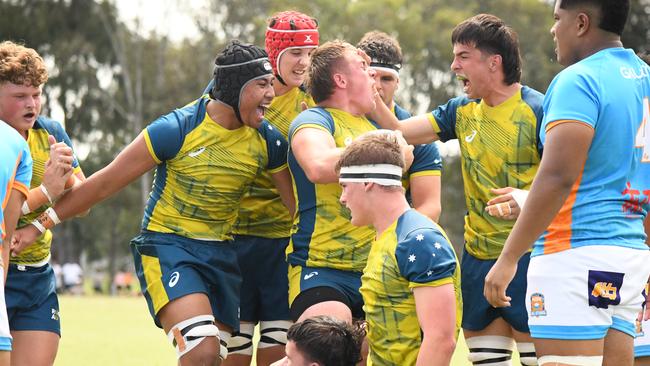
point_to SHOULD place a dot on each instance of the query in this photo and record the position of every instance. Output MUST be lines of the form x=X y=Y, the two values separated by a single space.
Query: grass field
x=102 y=330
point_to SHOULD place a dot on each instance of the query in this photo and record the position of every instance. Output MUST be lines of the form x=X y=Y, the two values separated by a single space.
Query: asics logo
x=310 y=275
x=196 y=152
x=174 y=279
x=470 y=137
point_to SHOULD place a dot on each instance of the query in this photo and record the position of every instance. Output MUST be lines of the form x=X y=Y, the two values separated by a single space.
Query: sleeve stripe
x=278 y=169
x=434 y=123
x=20 y=187
x=435 y=283
x=309 y=125
x=147 y=140
x=559 y=122
x=426 y=173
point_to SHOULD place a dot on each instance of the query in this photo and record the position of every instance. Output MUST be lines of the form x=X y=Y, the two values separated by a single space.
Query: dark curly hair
x=381 y=47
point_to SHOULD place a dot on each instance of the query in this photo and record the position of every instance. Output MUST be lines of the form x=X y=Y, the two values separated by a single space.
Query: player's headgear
x=382 y=174
x=287 y=30
x=237 y=65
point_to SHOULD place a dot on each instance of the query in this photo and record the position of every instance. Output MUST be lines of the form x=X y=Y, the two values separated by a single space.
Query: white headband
x=387 y=69
x=382 y=174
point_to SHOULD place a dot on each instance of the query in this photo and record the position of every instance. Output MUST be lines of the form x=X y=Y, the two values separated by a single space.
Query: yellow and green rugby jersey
x=413 y=252
x=322 y=235
x=262 y=212
x=499 y=148
x=203 y=171
x=39 y=252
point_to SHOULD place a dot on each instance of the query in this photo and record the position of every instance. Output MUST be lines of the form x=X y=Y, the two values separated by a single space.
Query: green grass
x=102 y=330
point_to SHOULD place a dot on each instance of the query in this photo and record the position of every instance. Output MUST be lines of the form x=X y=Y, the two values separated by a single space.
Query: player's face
x=386 y=84
x=354 y=198
x=361 y=82
x=255 y=99
x=295 y=357
x=293 y=65
x=20 y=105
x=563 y=36
x=472 y=68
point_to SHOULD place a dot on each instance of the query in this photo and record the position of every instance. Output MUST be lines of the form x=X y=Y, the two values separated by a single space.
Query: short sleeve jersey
x=262 y=212
x=322 y=235
x=609 y=92
x=203 y=171
x=499 y=148
x=40 y=151
x=15 y=168
x=426 y=157
x=413 y=252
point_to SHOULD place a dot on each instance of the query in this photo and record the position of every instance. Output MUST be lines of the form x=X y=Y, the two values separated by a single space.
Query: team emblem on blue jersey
x=604 y=288
x=537 y=306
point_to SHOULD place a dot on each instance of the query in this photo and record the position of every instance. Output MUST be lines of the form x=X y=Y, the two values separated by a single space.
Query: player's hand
x=503 y=205
x=303 y=106
x=23 y=238
x=58 y=168
x=497 y=281
x=407 y=150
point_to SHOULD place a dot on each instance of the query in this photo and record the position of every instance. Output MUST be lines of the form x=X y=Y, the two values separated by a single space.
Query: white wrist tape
x=46 y=193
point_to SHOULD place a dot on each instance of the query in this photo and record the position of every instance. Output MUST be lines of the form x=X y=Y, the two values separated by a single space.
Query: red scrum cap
x=286 y=30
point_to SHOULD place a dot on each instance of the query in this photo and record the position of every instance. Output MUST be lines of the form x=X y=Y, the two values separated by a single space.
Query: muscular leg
x=34 y=348
x=563 y=347
x=492 y=345
x=240 y=349
x=187 y=307
x=618 y=349
x=335 y=309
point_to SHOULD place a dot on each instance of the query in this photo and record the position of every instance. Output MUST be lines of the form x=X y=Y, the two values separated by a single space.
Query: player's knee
x=571 y=360
x=527 y=355
x=273 y=333
x=490 y=350
x=241 y=342
x=187 y=335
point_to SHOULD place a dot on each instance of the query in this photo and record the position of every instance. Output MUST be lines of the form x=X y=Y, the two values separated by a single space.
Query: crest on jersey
x=537 y=306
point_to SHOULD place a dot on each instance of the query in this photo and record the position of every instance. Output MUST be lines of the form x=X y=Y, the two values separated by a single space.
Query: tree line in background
x=111 y=80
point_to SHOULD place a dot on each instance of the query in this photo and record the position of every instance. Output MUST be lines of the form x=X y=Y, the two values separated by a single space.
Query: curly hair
x=382 y=47
x=21 y=65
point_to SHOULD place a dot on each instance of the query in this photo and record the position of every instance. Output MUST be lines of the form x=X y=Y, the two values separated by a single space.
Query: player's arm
x=131 y=163
x=11 y=214
x=416 y=129
x=551 y=187
x=317 y=154
x=58 y=170
x=436 y=311
x=425 y=195
x=282 y=181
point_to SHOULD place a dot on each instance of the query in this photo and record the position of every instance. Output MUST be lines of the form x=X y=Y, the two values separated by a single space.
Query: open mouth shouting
x=465 y=81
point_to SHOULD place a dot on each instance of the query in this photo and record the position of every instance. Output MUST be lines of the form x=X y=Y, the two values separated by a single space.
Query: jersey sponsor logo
x=537 y=306
x=196 y=152
x=630 y=73
x=55 y=315
x=310 y=275
x=174 y=279
x=470 y=137
x=604 y=288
